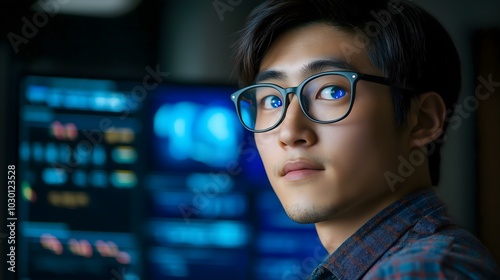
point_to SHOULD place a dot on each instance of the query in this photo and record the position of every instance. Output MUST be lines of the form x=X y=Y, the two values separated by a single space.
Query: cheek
x=266 y=146
x=374 y=119
x=263 y=141
x=365 y=144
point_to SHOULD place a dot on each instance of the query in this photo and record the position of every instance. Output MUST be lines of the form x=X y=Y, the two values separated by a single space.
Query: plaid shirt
x=413 y=238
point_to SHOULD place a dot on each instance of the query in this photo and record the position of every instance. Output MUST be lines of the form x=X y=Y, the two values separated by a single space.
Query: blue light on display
x=37 y=229
x=37 y=94
x=78 y=94
x=194 y=263
x=24 y=151
x=64 y=153
x=217 y=183
x=54 y=176
x=79 y=178
x=98 y=178
x=37 y=114
x=37 y=151
x=51 y=153
x=172 y=264
x=222 y=234
x=105 y=101
x=83 y=153
x=76 y=100
x=225 y=205
x=54 y=99
x=99 y=155
x=197 y=132
x=283 y=242
x=281 y=268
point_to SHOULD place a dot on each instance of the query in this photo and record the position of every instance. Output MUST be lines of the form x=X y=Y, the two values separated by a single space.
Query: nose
x=296 y=129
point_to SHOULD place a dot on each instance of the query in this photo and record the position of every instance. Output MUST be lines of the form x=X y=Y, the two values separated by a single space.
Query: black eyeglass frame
x=352 y=76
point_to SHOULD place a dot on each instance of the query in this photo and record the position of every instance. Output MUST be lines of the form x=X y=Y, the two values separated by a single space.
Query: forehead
x=298 y=47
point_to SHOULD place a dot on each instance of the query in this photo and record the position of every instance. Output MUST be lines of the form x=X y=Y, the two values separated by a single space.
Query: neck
x=335 y=231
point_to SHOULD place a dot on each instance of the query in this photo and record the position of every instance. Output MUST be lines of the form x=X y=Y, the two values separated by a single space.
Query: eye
x=271 y=102
x=332 y=93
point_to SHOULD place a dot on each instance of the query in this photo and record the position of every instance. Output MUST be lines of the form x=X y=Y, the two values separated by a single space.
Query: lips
x=299 y=168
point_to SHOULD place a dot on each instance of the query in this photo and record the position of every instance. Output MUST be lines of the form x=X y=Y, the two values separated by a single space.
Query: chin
x=310 y=214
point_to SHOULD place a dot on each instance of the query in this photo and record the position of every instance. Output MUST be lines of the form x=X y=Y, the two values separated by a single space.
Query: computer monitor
x=80 y=168
x=165 y=185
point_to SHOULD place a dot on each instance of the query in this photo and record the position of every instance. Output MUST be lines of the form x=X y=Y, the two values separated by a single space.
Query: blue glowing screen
x=194 y=128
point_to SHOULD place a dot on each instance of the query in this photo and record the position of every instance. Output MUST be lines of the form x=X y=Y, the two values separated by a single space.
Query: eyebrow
x=312 y=67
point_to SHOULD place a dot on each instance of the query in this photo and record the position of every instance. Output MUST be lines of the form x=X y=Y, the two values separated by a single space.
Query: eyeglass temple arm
x=387 y=82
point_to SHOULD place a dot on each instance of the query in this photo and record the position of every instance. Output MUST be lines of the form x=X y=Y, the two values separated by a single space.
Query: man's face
x=322 y=171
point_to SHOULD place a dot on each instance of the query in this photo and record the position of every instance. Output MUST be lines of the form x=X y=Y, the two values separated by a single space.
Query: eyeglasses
x=324 y=98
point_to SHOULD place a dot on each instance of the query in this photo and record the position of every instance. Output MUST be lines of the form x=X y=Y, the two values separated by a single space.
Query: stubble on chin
x=304 y=213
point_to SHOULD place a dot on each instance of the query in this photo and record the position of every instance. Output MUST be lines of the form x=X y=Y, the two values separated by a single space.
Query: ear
x=427 y=119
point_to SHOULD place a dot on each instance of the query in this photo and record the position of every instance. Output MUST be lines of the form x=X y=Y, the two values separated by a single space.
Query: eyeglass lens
x=325 y=98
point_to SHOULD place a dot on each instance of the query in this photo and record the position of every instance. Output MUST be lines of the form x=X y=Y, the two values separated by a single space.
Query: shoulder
x=456 y=255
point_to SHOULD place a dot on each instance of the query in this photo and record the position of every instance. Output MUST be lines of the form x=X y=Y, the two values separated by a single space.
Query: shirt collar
x=362 y=250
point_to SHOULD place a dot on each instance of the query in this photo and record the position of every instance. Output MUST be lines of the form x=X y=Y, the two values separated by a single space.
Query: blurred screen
x=80 y=173
x=194 y=129
x=168 y=186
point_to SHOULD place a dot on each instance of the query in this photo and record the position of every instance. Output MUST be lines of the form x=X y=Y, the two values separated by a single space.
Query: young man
x=338 y=92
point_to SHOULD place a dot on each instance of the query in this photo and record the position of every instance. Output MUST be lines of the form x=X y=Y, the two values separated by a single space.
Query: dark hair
x=408 y=44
